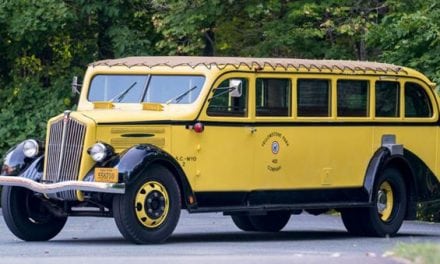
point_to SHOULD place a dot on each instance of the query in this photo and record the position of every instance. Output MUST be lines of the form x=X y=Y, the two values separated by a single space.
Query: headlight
x=30 y=148
x=100 y=151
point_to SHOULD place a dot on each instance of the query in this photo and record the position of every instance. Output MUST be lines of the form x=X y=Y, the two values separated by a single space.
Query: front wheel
x=27 y=217
x=386 y=217
x=149 y=210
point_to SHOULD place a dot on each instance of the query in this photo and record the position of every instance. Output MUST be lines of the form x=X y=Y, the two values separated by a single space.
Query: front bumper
x=48 y=188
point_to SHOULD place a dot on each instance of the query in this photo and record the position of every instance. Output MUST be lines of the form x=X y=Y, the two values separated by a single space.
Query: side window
x=313 y=98
x=417 y=103
x=387 y=99
x=273 y=97
x=352 y=98
x=226 y=103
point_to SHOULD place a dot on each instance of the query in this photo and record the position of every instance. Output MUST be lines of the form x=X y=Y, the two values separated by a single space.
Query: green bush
x=26 y=108
x=429 y=211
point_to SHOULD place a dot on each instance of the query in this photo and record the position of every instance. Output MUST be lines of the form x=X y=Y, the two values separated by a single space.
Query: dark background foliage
x=43 y=43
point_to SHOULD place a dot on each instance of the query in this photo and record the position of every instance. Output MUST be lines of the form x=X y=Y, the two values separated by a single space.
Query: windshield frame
x=146 y=86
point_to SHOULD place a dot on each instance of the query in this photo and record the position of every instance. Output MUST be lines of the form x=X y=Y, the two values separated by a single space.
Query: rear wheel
x=386 y=217
x=149 y=210
x=243 y=222
x=273 y=221
x=27 y=217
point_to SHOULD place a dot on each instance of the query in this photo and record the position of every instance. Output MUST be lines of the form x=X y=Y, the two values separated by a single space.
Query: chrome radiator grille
x=64 y=150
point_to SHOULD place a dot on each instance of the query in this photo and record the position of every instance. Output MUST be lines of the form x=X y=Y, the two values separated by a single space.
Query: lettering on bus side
x=275 y=142
x=183 y=160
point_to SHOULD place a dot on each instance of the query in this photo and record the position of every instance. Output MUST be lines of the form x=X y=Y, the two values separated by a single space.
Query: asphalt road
x=213 y=238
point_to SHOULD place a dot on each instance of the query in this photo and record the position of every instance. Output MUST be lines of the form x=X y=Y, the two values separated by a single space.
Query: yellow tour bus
x=259 y=139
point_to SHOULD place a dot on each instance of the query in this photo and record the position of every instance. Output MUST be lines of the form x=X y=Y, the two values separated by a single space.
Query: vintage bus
x=259 y=139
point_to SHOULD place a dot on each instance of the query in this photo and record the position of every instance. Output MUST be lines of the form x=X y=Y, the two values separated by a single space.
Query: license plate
x=106 y=175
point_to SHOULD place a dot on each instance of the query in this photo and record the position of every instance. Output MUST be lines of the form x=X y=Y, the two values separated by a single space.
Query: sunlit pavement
x=202 y=238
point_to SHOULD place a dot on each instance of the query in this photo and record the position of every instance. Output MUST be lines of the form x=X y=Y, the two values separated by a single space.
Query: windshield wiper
x=181 y=96
x=121 y=96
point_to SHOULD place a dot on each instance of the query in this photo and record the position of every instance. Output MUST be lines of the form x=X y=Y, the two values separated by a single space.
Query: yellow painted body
x=238 y=156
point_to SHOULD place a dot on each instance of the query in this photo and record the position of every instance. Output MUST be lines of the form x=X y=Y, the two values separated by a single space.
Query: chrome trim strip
x=48 y=188
x=63 y=142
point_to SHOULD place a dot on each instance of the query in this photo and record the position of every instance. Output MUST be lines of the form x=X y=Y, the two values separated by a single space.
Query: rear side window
x=417 y=103
x=313 y=98
x=352 y=98
x=273 y=97
x=225 y=103
x=387 y=99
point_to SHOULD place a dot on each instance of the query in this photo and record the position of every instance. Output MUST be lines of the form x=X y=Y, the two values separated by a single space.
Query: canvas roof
x=252 y=63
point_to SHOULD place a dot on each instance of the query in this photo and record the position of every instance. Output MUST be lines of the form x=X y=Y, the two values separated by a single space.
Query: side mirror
x=236 y=87
x=76 y=87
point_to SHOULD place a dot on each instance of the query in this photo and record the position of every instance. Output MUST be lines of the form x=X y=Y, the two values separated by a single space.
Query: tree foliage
x=43 y=43
x=410 y=35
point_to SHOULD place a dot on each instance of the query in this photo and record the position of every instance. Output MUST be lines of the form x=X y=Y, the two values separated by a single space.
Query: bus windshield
x=169 y=89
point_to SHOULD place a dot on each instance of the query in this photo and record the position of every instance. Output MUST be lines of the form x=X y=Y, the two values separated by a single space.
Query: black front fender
x=15 y=162
x=35 y=170
x=134 y=161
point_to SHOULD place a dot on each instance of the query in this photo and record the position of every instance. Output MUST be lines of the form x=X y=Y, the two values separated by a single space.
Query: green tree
x=410 y=35
x=277 y=28
x=44 y=43
x=33 y=36
x=187 y=27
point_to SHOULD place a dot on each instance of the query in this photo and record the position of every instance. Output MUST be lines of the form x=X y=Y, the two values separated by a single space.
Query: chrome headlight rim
x=100 y=152
x=31 y=148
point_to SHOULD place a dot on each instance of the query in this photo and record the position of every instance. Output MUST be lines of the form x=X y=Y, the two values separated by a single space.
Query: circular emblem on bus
x=275 y=147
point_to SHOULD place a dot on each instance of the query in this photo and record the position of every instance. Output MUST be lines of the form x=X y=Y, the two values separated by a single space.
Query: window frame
x=388 y=118
x=203 y=115
x=149 y=76
x=253 y=96
x=370 y=102
x=428 y=94
x=332 y=78
x=331 y=98
x=290 y=97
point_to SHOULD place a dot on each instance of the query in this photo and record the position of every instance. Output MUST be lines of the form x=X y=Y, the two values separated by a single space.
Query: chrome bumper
x=47 y=188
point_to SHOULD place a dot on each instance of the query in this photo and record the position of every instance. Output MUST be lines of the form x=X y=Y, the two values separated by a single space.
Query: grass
x=423 y=253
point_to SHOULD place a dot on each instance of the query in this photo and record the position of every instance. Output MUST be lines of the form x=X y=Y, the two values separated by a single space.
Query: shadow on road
x=217 y=237
x=281 y=236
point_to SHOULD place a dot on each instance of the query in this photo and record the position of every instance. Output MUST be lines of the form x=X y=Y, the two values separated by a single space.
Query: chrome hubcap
x=385 y=201
x=381 y=201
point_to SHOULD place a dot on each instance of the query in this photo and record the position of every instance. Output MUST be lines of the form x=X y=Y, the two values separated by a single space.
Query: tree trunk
x=209 y=49
x=104 y=42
